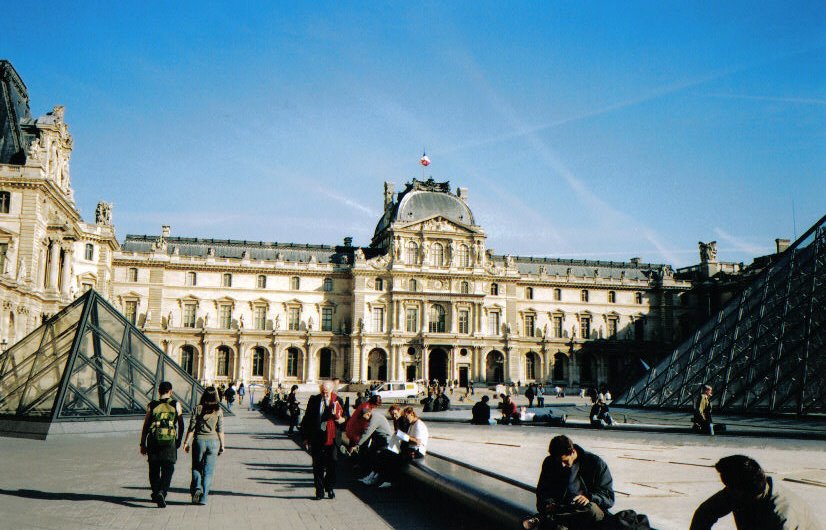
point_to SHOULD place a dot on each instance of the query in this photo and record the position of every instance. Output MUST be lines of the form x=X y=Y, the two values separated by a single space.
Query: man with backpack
x=163 y=430
x=229 y=395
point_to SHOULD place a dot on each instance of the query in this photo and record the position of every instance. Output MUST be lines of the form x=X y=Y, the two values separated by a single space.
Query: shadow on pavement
x=80 y=497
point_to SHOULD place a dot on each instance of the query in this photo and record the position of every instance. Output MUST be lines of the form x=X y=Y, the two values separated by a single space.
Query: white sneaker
x=373 y=480
x=367 y=478
x=384 y=485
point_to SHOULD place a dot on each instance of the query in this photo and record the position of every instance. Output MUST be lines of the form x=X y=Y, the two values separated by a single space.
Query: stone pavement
x=262 y=480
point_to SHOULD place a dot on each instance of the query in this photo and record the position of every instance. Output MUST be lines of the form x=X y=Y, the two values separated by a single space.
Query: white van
x=396 y=391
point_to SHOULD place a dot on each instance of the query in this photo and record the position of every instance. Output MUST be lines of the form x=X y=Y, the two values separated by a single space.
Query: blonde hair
x=410 y=410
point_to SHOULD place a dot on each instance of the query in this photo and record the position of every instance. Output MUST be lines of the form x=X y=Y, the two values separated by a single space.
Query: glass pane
x=14 y=380
x=53 y=348
x=68 y=319
x=181 y=385
x=109 y=322
x=43 y=403
x=43 y=386
x=143 y=353
x=74 y=404
x=9 y=403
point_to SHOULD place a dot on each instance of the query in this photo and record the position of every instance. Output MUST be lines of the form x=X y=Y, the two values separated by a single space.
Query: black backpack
x=628 y=520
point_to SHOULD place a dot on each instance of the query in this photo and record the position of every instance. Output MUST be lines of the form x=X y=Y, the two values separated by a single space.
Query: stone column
x=66 y=280
x=54 y=263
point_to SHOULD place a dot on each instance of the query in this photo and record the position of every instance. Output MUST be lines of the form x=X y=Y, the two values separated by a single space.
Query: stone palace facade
x=426 y=299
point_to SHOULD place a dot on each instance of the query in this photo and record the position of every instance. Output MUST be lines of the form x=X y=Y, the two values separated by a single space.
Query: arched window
x=379 y=284
x=559 y=366
x=412 y=285
x=463 y=256
x=328 y=284
x=412 y=254
x=531 y=363
x=583 y=295
x=293 y=356
x=494 y=289
x=226 y=280
x=557 y=294
x=133 y=275
x=638 y=298
x=258 y=355
x=188 y=359
x=191 y=279
x=262 y=281
x=529 y=293
x=325 y=363
x=464 y=288
x=222 y=363
x=90 y=252
x=437 y=256
x=612 y=297
x=438 y=320
x=295 y=283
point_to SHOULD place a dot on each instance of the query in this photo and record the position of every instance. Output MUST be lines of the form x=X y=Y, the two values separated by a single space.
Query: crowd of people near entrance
x=574 y=490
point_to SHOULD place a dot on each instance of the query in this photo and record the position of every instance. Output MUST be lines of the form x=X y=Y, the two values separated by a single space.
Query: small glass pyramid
x=86 y=362
x=763 y=353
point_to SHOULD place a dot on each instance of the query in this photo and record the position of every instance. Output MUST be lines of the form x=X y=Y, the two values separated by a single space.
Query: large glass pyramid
x=86 y=362
x=763 y=353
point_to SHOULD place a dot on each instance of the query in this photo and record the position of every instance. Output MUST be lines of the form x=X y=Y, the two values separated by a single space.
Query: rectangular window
x=529 y=325
x=583 y=295
x=226 y=280
x=412 y=320
x=493 y=324
x=585 y=327
x=4 y=247
x=260 y=317
x=557 y=294
x=90 y=252
x=131 y=311
x=5 y=201
x=558 y=327
x=612 y=328
x=378 y=319
x=225 y=316
x=189 y=316
x=464 y=322
x=133 y=275
x=262 y=282
x=326 y=319
x=295 y=319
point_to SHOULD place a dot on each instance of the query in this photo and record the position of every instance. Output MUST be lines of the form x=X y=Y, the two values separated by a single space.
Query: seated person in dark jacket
x=427 y=403
x=481 y=412
x=443 y=402
x=600 y=416
x=575 y=488
x=510 y=413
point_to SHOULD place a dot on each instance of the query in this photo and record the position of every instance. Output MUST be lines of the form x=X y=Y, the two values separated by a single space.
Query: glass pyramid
x=763 y=353
x=87 y=362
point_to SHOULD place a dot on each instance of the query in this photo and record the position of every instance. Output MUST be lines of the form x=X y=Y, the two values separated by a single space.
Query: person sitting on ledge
x=510 y=414
x=754 y=499
x=481 y=412
x=600 y=416
x=443 y=402
x=427 y=403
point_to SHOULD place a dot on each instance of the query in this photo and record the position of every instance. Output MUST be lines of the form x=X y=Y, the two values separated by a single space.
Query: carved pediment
x=437 y=223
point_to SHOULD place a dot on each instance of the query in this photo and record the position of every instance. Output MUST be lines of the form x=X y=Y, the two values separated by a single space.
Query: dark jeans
x=540 y=401
x=294 y=413
x=574 y=518
x=160 y=475
x=324 y=467
x=204 y=455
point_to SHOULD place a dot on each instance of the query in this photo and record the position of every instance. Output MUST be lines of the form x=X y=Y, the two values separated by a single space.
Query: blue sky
x=600 y=131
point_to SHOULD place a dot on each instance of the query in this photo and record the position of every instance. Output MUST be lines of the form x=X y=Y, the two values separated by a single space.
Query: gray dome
x=418 y=205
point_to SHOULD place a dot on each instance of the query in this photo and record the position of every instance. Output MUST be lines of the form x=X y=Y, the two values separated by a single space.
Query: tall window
x=295 y=319
x=326 y=319
x=262 y=281
x=463 y=256
x=378 y=319
x=558 y=327
x=494 y=289
x=5 y=201
x=638 y=298
x=437 y=252
x=292 y=362
x=379 y=284
x=226 y=280
x=529 y=325
x=529 y=293
x=464 y=288
x=412 y=320
x=493 y=323
x=559 y=366
x=612 y=297
x=259 y=316
x=639 y=329
x=328 y=285
x=189 y=316
x=325 y=363
x=222 y=368
x=90 y=252
x=585 y=327
x=612 y=328
x=295 y=283
x=225 y=316
x=131 y=311
x=188 y=359
x=530 y=366
x=258 y=362
x=191 y=279
x=438 y=319
x=583 y=295
x=4 y=248
x=132 y=275
x=557 y=294
x=464 y=326
x=412 y=285
x=412 y=254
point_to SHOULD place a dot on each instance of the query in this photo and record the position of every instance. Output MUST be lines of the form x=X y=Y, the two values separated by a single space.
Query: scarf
x=332 y=411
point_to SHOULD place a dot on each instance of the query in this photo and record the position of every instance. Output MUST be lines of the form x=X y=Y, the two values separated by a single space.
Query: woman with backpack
x=206 y=429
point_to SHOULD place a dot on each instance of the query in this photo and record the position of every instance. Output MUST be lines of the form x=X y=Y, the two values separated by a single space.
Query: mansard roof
x=581 y=267
x=234 y=248
x=14 y=111
x=425 y=199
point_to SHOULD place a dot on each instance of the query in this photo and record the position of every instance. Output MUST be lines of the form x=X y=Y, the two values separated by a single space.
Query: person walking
x=540 y=396
x=529 y=394
x=241 y=393
x=293 y=408
x=206 y=430
x=252 y=397
x=163 y=428
x=703 y=422
x=229 y=395
x=318 y=430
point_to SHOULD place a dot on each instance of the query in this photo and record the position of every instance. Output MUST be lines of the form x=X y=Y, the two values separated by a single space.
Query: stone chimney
x=388 y=195
x=635 y=261
x=782 y=244
x=462 y=194
x=348 y=241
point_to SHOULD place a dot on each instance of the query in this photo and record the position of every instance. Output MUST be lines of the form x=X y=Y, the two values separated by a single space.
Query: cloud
x=741 y=244
x=346 y=201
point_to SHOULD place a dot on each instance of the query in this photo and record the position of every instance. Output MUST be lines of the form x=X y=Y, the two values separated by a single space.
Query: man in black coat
x=575 y=488
x=481 y=412
x=318 y=431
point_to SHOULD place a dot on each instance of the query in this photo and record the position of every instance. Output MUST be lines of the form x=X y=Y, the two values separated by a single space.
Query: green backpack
x=163 y=429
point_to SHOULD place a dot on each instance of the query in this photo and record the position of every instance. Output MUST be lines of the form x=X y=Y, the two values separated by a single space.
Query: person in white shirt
x=417 y=432
x=393 y=461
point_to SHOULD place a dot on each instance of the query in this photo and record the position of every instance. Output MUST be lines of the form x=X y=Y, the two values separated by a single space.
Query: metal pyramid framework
x=763 y=353
x=88 y=362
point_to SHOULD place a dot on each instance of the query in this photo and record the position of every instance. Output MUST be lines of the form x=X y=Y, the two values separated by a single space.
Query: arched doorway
x=587 y=369
x=325 y=363
x=560 y=362
x=377 y=365
x=437 y=365
x=532 y=366
x=495 y=367
x=188 y=360
x=259 y=362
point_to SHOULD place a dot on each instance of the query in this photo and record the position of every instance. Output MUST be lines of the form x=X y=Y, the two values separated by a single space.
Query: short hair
x=165 y=387
x=485 y=399
x=743 y=474
x=394 y=408
x=560 y=446
x=375 y=400
x=410 y=410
